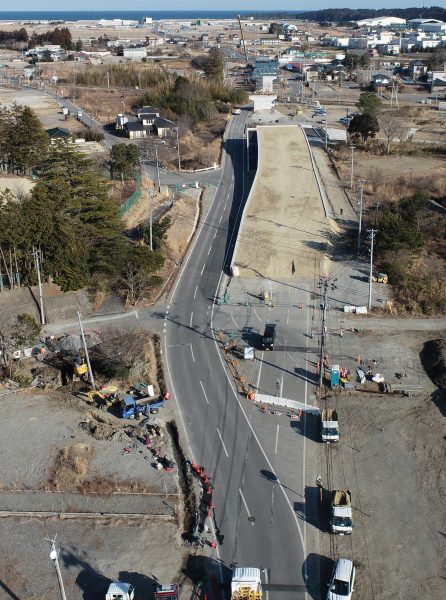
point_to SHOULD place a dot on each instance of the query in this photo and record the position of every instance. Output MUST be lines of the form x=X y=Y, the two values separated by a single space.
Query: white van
x=236 y=111
x=342 y=580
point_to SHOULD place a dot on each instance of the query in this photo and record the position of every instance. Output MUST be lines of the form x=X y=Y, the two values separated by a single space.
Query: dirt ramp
x=433 y=358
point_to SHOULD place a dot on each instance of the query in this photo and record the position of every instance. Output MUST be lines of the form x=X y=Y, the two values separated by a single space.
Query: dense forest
x=346 y=15
x=59 y=35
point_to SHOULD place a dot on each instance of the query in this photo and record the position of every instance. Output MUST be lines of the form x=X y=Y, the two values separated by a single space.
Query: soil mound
x=433 y=358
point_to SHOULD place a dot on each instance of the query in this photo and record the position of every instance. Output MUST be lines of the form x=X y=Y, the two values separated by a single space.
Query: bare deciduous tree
x=391 y=128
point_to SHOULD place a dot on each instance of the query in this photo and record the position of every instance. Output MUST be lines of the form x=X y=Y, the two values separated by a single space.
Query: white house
x=136 y=53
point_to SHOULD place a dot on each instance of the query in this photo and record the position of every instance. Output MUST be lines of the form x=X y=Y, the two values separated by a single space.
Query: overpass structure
x=284 y=232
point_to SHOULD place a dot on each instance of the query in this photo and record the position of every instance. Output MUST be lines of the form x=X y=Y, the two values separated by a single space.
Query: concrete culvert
x=433 y=358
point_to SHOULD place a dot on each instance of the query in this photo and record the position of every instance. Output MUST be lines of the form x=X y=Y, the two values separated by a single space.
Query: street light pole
x=372 y=237
x=54 y=556
x=151 y=219
x=361 y=195
x=326 y=129
x=352 y=148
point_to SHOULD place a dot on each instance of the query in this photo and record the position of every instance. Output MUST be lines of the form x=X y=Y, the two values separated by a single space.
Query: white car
x=342 y=580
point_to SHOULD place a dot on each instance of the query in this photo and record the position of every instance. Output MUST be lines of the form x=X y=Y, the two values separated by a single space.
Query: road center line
x=202 y=269
x=221 y=219
x=287 y=316
x=277 y=439
x=192 y=352
x=210 y=248
x=191 y=317
x=195 y=293
x=235 y=322
x=204 y=392
x=244 y=504
x=222 y=443
x=215 y=234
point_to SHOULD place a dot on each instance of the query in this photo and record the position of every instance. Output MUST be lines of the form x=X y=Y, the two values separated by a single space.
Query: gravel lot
x=391 y=456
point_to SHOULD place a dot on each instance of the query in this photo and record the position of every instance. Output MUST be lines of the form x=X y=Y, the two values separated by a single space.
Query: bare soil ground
x=284 y=210
x=391 y=456
x=19 y=186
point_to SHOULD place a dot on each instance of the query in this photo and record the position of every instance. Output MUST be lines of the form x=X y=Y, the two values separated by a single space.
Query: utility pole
x=157 y=168
x=361 y=195
x=87 y=356
x=327 y=284
x=352 y=148
x=54 y=556
x=178 y=150
x=326 y=129
x=372 y=233
x=151 y=219
x=37 y=255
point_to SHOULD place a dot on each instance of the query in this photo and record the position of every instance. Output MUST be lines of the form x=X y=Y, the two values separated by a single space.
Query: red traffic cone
x=213 y=545
x=206 y=479
x=209 y=491
x=209 y=513
x=212 y=505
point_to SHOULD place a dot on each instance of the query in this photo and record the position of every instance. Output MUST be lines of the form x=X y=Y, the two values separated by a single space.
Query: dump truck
x=120 y=591
x=341 y=512
x=132 y=408
x=329 y=425
x=246 y=584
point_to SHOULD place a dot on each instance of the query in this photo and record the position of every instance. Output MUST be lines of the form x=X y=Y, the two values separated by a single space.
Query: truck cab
x=120 y=591
x=329 y=426
x=269 y=336
x=341 y=512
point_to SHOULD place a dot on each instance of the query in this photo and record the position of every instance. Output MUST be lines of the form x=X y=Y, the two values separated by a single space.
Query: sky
x=270 y=5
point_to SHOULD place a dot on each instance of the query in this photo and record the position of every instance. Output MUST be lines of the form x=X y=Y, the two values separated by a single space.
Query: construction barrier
x=293 y=404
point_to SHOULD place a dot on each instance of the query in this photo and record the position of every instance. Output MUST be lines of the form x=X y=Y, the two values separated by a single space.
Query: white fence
x=293 y=404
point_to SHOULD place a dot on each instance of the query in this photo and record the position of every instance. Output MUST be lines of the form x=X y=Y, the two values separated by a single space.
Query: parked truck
x=329 y=425
x=246 y=584
x=120 y=591
x=131 y=407
x=341 y=512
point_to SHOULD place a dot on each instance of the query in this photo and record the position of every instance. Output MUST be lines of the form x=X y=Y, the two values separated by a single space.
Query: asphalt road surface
x=253 y=509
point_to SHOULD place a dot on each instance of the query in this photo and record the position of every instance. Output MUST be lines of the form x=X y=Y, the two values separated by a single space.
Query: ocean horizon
x=133 y=15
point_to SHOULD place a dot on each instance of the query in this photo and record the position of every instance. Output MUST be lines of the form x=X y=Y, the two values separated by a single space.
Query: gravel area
x=391 y=456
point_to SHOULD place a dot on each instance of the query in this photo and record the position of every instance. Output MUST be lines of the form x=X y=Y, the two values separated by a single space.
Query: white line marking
x=204 y=392
x=136 y=315
x=191 y=317
x=215 y=234
x=167 y=312
x=255 y=312
x=221 y=218
x=244 y=504
x=202 y=269
x=277 y=439
x=192 y=352
x=224 y=207
x=210 y=248
x=260 y=370
x=288 y=316
x=195 y=293
x=266 y=583
x=222 y=443
x=235 y=322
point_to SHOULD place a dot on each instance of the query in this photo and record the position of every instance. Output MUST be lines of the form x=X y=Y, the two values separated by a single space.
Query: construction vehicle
x=167 y=592
x=131 y=408
x=341 y=512
x=380 y=278
x=107 y=395
x=120 y=591
x=329 y=425
x=80 y=365
x=246 y=584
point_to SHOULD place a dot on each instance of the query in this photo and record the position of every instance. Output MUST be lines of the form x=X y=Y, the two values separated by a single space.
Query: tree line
x=59 y=35
x=70 y=217
x=347 y=15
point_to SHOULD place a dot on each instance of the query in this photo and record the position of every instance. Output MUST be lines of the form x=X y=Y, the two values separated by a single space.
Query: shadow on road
x=309 y=426
x=9 y=593
x=205 y=573
x=316 y=570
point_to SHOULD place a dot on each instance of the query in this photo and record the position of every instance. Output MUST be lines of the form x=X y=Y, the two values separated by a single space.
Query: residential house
x=58 y=133
x=136 y=53
x=148 y=122
x=135 y=130
x=380 y=80
x=417 y=68
x=437 y=81
x=147 y=115
x=163 y=127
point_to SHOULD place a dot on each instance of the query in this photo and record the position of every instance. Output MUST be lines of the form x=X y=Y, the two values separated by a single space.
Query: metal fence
x=133 y=198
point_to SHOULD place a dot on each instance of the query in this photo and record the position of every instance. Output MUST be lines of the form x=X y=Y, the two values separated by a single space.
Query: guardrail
x=131 y=201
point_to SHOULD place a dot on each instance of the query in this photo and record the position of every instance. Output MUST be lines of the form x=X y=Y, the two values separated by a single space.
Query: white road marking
x=192 y=352
x=222 y=443
x=202 y=269
x=224 y=207
x=244 y=504
x=195 y=293
x=215 y=234
x=136 y=315
x=255 y=312
x=221 y=218
x=210 y=248
x=235 y=322
x=260 y=371
x=191 y=317
x=167 y=312
x=277 y=439
x=204 y=392
x=287 y=316
x=266 y=582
